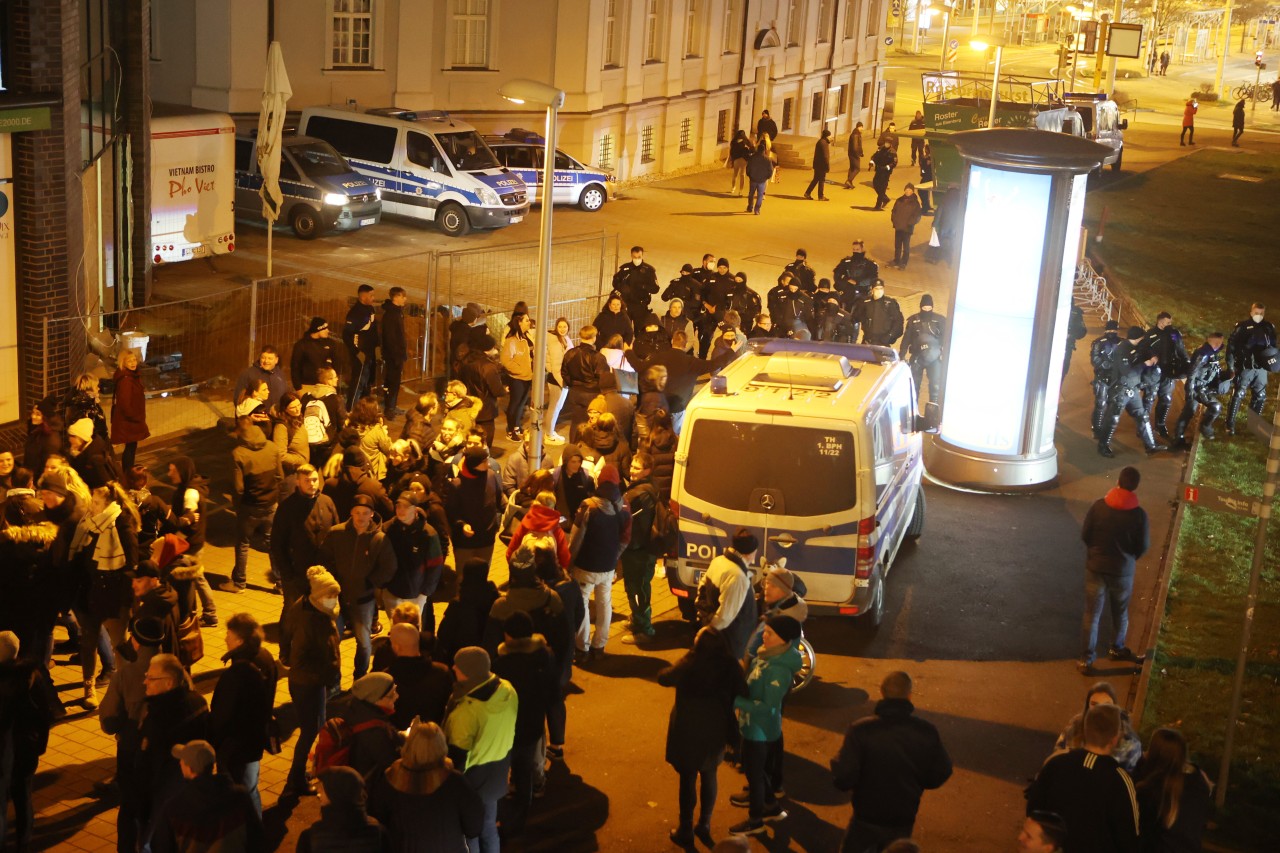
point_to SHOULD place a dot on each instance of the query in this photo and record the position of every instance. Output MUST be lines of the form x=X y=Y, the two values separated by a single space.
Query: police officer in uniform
x=794 y=310
x=830 y=321
x=879 y=317
x=1076 y=329
x=854 y=276
x=778 y=294
x=636 y=282
x=1127 y=369
x=803 y=272
x=1101 y=353
x=1164 y=341
x=1204 y=381
x=922 y=347
x=688 y=290
x=1244 y=350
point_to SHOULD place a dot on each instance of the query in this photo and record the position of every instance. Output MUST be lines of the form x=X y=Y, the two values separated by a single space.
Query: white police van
x=816 y=448
x=524 y=152
x=428 y=165
x=321 y=192
x=1099 y=120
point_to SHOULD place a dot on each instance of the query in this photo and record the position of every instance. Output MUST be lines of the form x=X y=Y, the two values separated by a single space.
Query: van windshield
x=318 y=159
x=814 y=471
x=467 y=151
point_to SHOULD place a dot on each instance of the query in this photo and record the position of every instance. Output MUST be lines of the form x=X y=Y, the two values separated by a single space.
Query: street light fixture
x=982 y=43
x=543 y=95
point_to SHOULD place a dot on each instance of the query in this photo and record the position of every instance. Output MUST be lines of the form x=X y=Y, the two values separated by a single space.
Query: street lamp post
x=946 y=34
x=982 y=43
x=541 y=94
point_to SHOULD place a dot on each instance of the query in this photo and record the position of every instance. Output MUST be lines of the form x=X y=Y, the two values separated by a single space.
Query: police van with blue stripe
x=427 y=164
x=815 y=447
x=321 y=192
x=524 y=152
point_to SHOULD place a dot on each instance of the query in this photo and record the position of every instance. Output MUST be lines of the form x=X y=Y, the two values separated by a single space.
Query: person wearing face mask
x=854 y=275
x=879 y=317
x=1128 y=364
x=922 y=346
x=636 y=282
x=1204 y=382
x=1252 y=341
x=314 y=665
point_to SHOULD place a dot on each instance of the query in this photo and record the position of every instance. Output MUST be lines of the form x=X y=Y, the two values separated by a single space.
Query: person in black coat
x=464 y=619
x=344 y=823
x=614 y=319
x=91 y=455
x=637 y=283
x=887 y=761
x=583 y=370
x=301 y=523
x=1116 y=533
x=241 y=709
x=526 y=660
x=312 y=352
x=482 y=375
x=175 y=714
x=395 y=350
x=766 y=126
x=313 y=662
x=360 y=336
x=683 y=371
x=707 y=680
x=27 y=705
x=419 y=556
x=821 y=165
x=423 y=685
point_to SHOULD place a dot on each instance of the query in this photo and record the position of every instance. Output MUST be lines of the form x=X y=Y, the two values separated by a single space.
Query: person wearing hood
x=760 y=719
x=419 y=556
x=651 y=337
x=675 y=320
x=473 y=502
x=129 y=408
x=1116 y=533
x=573 y=482
x=91 y=455
x=395 y=350
x=241 y=709
x=423 y=798
x=314 y=665
x=636 y=282
x=480 y=727
x=363 y=560
x=464 y=619
x=687 y=287
x=603 y=443
x=353 y=481
x=313 y=352
x=742 y=299
x=526 y=660
x=482 y=376
x=257 y=472
x=601 y=530
x=527 y=593
x=542 y=521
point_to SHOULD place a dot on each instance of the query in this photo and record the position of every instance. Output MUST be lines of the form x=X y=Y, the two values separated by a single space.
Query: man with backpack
x=360 y=734
x=323 y=414
x=724 y=599
x=639 y=557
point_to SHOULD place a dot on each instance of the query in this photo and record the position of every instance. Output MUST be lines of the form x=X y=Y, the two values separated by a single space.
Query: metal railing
x=1091 y=291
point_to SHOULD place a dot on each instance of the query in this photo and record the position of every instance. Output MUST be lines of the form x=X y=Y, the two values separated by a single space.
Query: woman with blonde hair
x=129 y=409
x=56 y=462
x=84 y=400
x=422 y=799
x=558 y=343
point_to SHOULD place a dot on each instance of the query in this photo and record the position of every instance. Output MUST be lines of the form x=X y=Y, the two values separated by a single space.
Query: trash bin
x=135 y=341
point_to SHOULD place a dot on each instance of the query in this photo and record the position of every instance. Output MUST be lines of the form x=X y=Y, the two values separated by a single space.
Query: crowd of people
x=440 y=724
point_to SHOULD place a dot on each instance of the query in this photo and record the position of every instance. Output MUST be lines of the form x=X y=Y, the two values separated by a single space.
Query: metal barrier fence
x=194 y=349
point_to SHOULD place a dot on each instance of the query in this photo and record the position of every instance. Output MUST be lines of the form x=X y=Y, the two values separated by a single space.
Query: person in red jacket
x=129 y=409
x=542 y=519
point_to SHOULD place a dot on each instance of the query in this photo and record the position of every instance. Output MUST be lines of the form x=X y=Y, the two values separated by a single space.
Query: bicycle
x=1250 y=91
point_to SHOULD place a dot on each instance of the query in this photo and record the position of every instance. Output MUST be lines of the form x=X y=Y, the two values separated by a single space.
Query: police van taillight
x=866 y=550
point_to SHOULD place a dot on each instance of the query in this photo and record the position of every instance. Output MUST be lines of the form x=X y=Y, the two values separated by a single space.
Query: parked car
x=523 y=152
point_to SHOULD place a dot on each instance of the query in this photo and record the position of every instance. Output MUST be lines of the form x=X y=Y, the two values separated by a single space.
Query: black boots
x=1104 y=439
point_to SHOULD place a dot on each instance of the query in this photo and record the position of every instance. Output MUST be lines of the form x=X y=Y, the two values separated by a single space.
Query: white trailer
x=193 y=183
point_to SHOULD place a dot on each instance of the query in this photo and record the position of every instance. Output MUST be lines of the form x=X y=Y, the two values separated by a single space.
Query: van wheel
x=305 y=222
x=592 y=198
x=917 y=518
x=1115 y=167
x=453 y=220
x=875 y=613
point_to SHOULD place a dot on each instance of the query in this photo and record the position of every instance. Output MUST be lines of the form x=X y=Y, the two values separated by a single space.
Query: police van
x=428 y=165
x=816 y=448
x=524 y=152
x=321 y=192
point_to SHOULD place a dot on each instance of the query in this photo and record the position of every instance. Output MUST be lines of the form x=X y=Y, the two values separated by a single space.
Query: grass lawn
x=1182 y=239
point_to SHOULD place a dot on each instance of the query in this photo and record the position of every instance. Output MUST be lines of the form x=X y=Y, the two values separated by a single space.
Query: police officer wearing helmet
x=1127 y=371
x=1101 y=356
x=879 y=316
x=1164 y=341
x=1247 y=356
x=922 y=346
x=1205 y=381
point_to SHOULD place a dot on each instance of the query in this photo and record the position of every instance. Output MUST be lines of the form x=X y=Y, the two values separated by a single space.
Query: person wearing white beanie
x=314 y=666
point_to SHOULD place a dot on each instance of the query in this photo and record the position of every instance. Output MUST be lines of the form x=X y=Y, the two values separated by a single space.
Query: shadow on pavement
x=567 y=818
x=49 y=833
x=969 y=743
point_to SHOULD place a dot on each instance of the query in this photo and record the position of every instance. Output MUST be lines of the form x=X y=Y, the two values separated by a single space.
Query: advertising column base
x=979 y=472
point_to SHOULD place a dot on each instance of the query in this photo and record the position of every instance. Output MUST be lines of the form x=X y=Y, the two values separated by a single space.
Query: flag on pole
x=276 y=92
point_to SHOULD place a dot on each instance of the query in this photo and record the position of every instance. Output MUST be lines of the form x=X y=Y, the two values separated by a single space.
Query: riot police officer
x=1205 y=379
x=803 y=272
x=1101 y=353
x=1076 y=329
x=1126 y=376
x=879 y=317
x=1164 y=341
x=830 y=321
x=854 y=275
x=922 y=346
x=1244 y=357
x=794 y=310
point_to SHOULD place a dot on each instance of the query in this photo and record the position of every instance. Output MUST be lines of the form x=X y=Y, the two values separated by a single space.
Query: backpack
x=335 y=741
x=664 y=532
x=315 y=420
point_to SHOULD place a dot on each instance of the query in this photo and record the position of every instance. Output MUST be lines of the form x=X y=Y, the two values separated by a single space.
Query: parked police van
x=815 y=448
x=321 y=191
x=524 y=152
x=427 y=164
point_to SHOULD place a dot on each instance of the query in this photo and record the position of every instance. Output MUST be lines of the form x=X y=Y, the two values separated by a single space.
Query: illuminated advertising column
x=1022 y=195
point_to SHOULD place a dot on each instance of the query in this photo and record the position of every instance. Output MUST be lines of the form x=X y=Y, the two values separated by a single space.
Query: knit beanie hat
x=687 y=268
x=56 y=482
x=344 y=787
x=148 y=631
x=519 y=624
x=927 y=299
x=744 y=541
x=316 y=324
x=782 y=579
x=323 y=585
x=609 y=474
x=474 y=457
x=786 y=627
x=373 y=687
x=473 y=663
x=1135 y=333
x=81 y=429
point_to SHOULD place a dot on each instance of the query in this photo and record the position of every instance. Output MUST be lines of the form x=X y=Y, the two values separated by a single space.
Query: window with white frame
x=850 y=19
x=653 y=51
x=692 y=29
x=470 y=33
x=824 y=21
x=731 y=33
x=613 y=13
x=795 y=22
x=351 y=41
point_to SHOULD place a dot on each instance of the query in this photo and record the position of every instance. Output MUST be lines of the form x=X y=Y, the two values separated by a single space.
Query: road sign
x=1218 y=500
x=954 y=43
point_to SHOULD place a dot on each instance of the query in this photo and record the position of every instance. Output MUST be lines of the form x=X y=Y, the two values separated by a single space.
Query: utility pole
x=1104 y=27
x=1222 y=55
x=1111 y=69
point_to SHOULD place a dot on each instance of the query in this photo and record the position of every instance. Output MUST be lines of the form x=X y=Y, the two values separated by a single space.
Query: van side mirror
x=928 y=422
x=1124 y=124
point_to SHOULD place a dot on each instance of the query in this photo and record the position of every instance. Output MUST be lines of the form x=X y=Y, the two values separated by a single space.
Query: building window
x=653 y=31
x=824 y=21
x=692 y=31
x=788 y=107
x=352 y=42
x=646 y=144
x=612 y=34
x=606 y=151
x=850 y=19
x=866 y=95
x=686 y=134
x=873 y=22
x=844 y=98
x=722 y=126
x=795 y=22
x=815 y=111
x=470 y=33
x=731 y=34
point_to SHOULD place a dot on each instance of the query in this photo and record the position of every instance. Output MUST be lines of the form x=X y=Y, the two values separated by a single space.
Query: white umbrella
x=276 y=92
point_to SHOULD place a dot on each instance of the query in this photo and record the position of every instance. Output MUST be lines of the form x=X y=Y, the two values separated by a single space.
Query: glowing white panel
x=1075 y=213
x=1006 y=215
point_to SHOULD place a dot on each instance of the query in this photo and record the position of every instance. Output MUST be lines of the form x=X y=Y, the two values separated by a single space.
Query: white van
x=1099 y=120
x=193 y=183
x=816 y=448
x=427 y=165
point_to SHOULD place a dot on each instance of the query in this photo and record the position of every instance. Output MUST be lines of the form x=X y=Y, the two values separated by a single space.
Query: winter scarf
x=108 y=553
